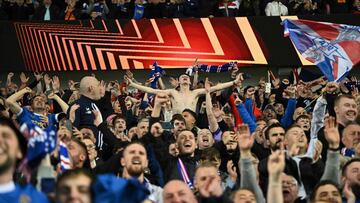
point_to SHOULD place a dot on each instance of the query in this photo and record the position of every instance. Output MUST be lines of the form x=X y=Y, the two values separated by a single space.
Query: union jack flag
x=334 y=48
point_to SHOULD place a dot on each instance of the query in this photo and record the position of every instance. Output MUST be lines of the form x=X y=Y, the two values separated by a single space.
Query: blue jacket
x=287 y=119
x=249 y=107
x=244 y=114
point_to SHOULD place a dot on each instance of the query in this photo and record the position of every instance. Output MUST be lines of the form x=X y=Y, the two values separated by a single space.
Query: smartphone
x=268 y=88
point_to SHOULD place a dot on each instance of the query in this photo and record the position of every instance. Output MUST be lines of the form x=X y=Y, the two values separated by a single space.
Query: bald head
x=90 y=87
x=177 y=191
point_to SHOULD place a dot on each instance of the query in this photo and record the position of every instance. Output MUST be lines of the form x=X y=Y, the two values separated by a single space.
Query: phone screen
x=268 y=87
x=166 y=125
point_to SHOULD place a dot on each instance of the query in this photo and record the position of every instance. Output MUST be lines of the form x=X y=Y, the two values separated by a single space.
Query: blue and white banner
x=334 y=48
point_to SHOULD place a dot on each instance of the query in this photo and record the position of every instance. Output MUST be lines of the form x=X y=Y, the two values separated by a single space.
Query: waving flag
x=138 y=11
x=334 y=48
x=41 y=141
x=111 y=189
x=216 y=69
x=64 y=157
x=155 y=74
x=211 y=68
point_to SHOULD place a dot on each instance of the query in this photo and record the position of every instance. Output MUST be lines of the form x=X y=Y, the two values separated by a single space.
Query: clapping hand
x=332 y=133
x=245 y=139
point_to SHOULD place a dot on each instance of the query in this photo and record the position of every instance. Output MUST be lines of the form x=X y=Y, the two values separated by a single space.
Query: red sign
x=104 y=45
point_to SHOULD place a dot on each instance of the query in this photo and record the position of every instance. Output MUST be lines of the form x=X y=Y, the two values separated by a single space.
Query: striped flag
x=216 y=69
x=40 y=141
x=65 y=163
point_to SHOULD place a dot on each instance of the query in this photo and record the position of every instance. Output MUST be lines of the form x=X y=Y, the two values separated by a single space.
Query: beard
x=356 y=190
x=135 y=171
x=6 y=165
x=231 y=149
x=275 y=146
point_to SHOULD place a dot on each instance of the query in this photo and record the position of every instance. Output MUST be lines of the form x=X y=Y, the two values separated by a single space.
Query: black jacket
x=309 y=175
x=55 y=13
x=16 y=12
x=168 y=163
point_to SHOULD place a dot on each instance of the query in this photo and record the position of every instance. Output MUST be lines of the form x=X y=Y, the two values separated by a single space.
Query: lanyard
x=184 y=174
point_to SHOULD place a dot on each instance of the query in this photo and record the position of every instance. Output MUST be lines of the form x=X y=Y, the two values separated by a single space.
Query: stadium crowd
x=196 y=141
x=137 y=9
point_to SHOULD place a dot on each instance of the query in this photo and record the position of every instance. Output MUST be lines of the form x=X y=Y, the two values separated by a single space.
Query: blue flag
x=110 y=189
x=155 y=74
x=41 y=141
x=138 y=11
x=216 y=69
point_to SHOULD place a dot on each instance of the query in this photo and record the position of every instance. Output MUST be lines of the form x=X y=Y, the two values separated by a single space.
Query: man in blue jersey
x=12 y=149
x=37 y=113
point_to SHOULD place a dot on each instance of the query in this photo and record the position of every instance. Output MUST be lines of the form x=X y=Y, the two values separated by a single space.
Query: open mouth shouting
x=286 y=191
x=351 y=114
x=136 y=161
x=206 y=139
x=187 y=144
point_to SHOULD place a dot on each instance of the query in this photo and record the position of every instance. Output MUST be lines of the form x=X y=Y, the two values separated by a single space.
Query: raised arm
x=12 y=100
x=275 y=165
x=161 y=84
x=145 y=88
x=332 y=164
x=245 y=116
x=64 y=106
x=160 y=99
x=8 y=79
x=196 y=77
x=222 y=86
x=247 y=169
x=24 y=80
x=213 y=124
x=317 y=122
x=318 y=115
x=286 y=121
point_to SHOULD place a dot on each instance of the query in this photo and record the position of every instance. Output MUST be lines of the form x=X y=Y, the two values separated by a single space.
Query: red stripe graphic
x=112 y=45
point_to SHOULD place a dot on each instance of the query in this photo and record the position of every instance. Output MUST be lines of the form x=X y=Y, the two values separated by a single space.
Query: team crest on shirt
x=88 y=111
x=24 y=199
